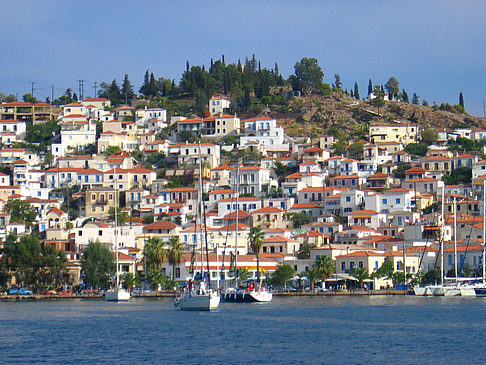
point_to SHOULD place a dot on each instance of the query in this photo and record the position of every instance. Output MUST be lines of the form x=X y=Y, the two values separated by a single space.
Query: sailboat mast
x=116 y=229
x=484 y=230
x=455 y=237
x=442 y=239
x=200 y=213
x=236 y=225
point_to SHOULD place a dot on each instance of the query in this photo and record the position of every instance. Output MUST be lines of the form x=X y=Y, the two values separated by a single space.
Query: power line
x=32 y=92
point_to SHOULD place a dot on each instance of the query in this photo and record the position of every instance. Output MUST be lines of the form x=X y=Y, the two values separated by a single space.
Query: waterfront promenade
x=170 y=294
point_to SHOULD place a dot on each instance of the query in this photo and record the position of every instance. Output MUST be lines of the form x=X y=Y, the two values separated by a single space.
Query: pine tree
x=370 y=87
x=187 y=66
x=461 y=100
x=127 y=90
x=356 y=90
x=337 y=81
x=415 y=99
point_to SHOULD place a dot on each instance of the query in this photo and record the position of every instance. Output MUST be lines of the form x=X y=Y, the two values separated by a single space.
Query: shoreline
x=40 y=297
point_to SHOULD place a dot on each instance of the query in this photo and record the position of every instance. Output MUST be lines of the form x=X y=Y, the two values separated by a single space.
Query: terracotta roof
x=269 y=209
x=162 y=225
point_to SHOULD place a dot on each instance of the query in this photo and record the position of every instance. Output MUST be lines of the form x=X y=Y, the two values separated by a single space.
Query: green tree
x=122 y=216
x=98 y=264
x=460 y=175
x=308 y=76
x=461 y=100
x=243 y=273
x=304 y=252
x=53 y=263
x=21 y=211
x=370 y=87
x=29 y=98
x=174 y=253
x=415 y=99
x=111 y=150
x=300 y=218
x=377 y=102
x=255 y=239
x=282 y=275
x=326 y=266
x=399 y=172
x=404 y=96
x=154 y=254
x=356 y=91
x=337 y=82
x=127 y=90
x=393 y=87
x=129 y=281
x=428 y=136
x=360 y=273
x=418 y=149
x=356 y=150
x=312 y=274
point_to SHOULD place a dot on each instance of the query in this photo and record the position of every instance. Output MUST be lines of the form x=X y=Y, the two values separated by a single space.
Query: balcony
x=101 y=202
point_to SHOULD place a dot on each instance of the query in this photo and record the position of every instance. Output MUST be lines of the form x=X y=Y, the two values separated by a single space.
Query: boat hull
x=117 y=296
x=423 y=291
x=198 y=302
x=246 y=296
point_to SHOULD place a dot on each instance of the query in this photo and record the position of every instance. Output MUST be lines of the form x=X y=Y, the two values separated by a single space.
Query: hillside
x=339 y=114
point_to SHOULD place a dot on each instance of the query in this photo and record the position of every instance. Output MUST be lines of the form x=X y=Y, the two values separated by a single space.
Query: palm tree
x=174 y=254
x=256 y=242
x=129 y=281
x=360 y=273
x=326 y=266
x=243 y=273
x=313 y=274
x=154 y=254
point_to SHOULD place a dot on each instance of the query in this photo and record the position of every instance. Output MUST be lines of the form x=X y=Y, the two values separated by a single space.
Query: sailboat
x=117 y=293
x=203 y=299
x=453 y=289
x=252 y=292
x=480 y=288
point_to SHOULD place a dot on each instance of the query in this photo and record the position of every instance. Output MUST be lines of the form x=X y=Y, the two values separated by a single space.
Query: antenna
x=81 y=89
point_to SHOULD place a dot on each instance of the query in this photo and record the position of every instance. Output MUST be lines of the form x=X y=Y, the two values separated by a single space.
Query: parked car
x=19 y=291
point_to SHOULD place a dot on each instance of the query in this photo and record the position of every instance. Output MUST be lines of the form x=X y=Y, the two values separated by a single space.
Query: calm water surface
x=291 y=330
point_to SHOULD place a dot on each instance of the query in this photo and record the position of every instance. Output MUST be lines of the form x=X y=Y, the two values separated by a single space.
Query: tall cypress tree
x=145 y=86
x=461 y=100
x=370 y=87
x=356 y=90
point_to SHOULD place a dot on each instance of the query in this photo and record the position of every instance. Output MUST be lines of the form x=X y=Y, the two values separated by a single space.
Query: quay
x=171 y=294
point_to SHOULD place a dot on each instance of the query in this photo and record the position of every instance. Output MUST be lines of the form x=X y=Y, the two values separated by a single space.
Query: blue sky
x=434 y=48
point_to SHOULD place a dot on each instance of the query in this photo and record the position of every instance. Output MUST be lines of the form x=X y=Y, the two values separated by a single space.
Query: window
x=351 y=264
x=178 y=272
x=348 y=198
x=343 y=266
x=360 y=264
x=397 y=200
x=80 y=233
x=384 y=201
x=100 y=233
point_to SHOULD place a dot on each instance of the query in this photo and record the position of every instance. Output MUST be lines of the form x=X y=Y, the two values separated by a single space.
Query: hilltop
x=340 y=114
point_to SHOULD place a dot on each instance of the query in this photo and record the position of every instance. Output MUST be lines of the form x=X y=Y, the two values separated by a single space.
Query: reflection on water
x=320 y=329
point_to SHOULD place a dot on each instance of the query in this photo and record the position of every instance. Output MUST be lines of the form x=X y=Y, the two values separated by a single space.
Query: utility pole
x=95 y=95
x=32 y=92
x=52 y=93
x=81 y=89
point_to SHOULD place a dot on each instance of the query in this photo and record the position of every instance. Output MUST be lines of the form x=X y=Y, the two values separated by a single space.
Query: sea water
x=289 y=330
